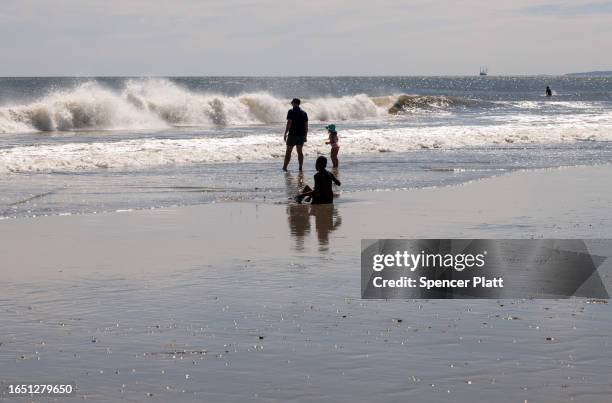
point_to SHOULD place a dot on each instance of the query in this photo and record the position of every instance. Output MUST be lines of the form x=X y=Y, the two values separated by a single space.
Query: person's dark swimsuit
x=297 y=131
x=323 y=193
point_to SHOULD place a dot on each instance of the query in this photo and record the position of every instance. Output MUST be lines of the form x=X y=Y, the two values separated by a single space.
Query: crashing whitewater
x=152 y=105
x=149 y=104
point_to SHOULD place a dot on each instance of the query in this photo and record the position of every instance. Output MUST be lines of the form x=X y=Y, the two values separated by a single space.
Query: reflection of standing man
x=295 y=132
x=297 y=214
x=325 y=223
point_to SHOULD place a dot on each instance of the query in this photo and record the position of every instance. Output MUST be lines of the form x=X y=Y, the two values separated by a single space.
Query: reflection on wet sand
x=293 y=184
x=299 y=223
x=297 y=214
x=327 y=216
x=327 y=219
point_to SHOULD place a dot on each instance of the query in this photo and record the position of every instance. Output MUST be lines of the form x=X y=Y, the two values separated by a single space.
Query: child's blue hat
x=331 y=128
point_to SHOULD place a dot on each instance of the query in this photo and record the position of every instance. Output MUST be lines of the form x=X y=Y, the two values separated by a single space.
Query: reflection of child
x=333 y=142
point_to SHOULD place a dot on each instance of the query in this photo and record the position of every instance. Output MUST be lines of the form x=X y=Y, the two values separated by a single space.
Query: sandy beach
x=154 y=157
x=261 y=301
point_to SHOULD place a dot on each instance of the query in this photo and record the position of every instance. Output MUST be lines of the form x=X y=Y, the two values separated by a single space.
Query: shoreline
x=557 y=202
x=340 y=196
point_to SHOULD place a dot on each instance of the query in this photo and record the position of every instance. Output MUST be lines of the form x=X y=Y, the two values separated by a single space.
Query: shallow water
x=79 y=145
x=36 y=194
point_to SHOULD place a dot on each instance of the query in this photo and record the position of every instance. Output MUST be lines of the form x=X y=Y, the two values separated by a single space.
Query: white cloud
x=308 y=37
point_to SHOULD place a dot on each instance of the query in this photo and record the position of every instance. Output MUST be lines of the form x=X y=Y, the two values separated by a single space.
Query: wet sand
x=261 y=302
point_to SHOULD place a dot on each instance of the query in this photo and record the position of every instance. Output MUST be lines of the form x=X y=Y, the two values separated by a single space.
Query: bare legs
x=300 y=156
x=334 y=156
x=288 y=156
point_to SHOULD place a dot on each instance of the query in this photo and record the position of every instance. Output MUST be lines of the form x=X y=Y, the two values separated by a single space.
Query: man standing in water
x=295 y=132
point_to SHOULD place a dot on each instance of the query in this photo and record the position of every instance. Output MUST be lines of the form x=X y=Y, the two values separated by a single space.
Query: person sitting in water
x=323 y=179
x=333 y=142
x=548 y=91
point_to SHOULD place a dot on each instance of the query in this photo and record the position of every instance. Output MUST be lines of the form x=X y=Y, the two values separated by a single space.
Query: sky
x=307 y=37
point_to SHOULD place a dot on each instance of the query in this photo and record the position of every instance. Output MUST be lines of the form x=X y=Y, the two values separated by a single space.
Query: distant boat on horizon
x=484 y=71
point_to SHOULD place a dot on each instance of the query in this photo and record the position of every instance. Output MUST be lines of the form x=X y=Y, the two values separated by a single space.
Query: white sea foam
x=86 y=106
x=152 y=104
x=159 y=103
x=144 y=153
x=539 y=105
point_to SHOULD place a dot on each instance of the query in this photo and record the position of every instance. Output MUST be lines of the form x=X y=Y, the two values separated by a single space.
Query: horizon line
x=296 y=76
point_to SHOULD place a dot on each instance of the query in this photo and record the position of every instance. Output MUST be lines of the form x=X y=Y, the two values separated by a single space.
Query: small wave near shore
x=146 y=153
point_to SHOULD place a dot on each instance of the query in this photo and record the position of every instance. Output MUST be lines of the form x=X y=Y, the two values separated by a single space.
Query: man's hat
x=331 y=128
x=296 y=101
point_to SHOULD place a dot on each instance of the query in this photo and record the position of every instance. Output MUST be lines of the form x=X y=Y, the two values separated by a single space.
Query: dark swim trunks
x=296 y=140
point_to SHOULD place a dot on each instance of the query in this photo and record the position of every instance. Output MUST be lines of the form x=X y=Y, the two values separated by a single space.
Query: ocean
x=89 y=145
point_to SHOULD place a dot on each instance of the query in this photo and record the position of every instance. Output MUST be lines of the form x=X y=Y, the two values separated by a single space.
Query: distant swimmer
x=548 y=91
x=295 y=132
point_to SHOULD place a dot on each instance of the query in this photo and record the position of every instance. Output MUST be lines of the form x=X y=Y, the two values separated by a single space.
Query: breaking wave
x=416 y=103
x=149 y=104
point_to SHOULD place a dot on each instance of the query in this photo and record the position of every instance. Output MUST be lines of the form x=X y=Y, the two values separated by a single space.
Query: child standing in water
x=333 y=142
